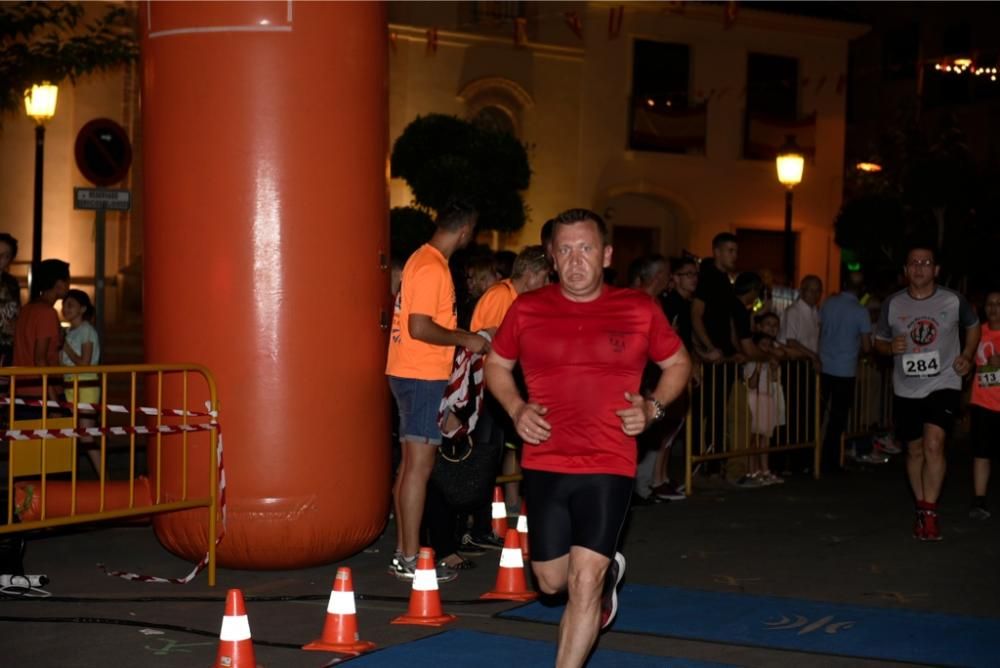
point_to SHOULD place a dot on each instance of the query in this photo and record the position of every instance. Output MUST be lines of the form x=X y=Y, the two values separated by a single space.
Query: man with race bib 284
x=921 y=327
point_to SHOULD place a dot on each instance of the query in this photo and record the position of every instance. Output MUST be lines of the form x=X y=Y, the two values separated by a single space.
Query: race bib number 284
x=922 y=364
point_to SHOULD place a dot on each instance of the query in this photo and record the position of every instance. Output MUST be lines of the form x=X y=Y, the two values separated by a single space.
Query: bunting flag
x=574 y=23
x=615 y=17
x=729 y=12
x=520 y=31
x=432 y=40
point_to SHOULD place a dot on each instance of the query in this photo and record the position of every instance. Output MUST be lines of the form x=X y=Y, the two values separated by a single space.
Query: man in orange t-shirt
x=494 y=429
x=985 y=408
x=37 y=335
x=421 y=351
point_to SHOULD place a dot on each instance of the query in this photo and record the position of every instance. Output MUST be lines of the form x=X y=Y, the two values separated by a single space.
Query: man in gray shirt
x=921 y=328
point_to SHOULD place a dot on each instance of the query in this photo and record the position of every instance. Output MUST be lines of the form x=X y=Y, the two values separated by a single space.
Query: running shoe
x=887 y=444
x=980 y=513
x=609 y=599
x=405 y=569
x=932 y=532
x=750 y=480
x=768 y=478
x=667 y=491
x=490 y=541
x=468 y=548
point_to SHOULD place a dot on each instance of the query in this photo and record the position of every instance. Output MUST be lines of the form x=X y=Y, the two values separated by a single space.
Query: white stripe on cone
x=511 y=558
x=341 y=603
x=522 y=524
x=425 y=580
x=499 y=509
x=235 y=627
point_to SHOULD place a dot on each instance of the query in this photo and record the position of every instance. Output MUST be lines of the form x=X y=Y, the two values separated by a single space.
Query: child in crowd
x=82 y=348
x=766 y=400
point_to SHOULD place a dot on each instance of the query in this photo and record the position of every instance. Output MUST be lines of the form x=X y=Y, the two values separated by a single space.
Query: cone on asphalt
x=340 y=631
x=522 y=530
x=499 y=512
x=235 y=645
x=512 y=585
x=425 y=600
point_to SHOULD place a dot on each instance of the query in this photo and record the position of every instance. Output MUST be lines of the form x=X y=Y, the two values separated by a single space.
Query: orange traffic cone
x=499 y=512
x=340 y=632
x=235 y=645
x=522 y=530
x=511 y=584
x=425 y=601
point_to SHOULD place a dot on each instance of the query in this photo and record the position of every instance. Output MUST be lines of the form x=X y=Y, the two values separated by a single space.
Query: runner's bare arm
x=963 y=363
x=528 y=417
x=674 y=380
x=423 y=328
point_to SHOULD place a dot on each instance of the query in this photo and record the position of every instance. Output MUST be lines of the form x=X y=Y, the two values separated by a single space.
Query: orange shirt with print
x=425 y=288
x=986 y=384
x=493 y=305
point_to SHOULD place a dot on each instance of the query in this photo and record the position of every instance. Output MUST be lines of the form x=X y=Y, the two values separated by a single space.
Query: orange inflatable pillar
x=265 y=199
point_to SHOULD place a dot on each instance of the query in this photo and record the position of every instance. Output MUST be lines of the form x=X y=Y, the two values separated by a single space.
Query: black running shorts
x=984 y=433
x=909 y=416
x=566 y=509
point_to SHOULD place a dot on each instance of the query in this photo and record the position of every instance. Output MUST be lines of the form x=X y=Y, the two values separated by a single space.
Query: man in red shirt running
x=582 y=346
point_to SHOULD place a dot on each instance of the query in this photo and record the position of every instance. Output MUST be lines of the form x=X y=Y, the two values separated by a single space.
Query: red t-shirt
x=579 y=359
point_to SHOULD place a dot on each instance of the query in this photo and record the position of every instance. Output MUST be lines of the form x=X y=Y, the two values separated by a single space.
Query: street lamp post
x=40 y=105
x=790 y=163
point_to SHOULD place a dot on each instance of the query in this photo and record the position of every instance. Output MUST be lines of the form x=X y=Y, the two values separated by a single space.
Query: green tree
x=52 y=41
x=442 y=157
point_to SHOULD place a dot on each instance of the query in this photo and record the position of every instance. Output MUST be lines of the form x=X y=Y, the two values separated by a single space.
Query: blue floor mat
x=486 y=650
x=799 y=625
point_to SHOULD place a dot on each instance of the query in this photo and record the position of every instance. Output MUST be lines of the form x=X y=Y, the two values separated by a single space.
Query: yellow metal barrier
x=46 y=458
x=872 y=407
x=722 y=425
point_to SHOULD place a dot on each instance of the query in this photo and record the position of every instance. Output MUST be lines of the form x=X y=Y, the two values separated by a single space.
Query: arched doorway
x=640 y=224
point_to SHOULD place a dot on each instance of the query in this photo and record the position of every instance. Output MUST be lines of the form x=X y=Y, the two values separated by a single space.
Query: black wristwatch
x=658 y=410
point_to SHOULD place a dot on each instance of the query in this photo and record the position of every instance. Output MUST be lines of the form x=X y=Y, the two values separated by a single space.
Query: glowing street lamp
x=790 y=163
x=40 y=105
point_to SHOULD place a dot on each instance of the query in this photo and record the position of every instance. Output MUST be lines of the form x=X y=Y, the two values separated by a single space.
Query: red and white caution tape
x=33 y=434
x=96 y=408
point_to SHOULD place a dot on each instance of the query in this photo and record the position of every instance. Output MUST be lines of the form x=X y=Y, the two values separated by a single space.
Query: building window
x=772 y=111
x=492 y=11
x=495 y=119
x=662 y=116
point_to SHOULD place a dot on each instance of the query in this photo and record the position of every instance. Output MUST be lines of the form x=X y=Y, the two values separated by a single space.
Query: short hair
x=758 y=319
x=455 y=214
x=480 y=264
x=746 y=283
x=532 y=258
x=10 y=241
x=643 y=268
x=83 y=299
x=547 y=231
x=723 y=238
x=810 y=278
x=49 y=273
x=573 y=216
x=921 y=245
x=505 y=262
x=678 y=263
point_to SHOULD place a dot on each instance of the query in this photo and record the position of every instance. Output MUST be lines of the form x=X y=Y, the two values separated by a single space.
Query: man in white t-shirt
x=800 y=321
x=799 y=333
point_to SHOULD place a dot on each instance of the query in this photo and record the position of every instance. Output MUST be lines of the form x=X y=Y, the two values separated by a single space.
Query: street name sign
x=99 y=199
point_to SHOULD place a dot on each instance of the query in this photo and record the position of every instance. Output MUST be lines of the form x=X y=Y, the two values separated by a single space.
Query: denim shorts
x=418 y=401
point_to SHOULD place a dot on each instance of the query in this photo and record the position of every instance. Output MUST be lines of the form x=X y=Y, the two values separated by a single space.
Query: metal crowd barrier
x=871 y=410
x=46 y=466
x=721 y=421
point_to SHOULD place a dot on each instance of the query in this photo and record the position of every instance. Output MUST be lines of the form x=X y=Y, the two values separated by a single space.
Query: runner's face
x=535 y=279
x=921 y=268
x=6 y=255
x=993 y=309
x=580 y=256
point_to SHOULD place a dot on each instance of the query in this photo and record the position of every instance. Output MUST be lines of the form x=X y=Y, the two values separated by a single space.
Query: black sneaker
x=468 y=548
x=609 y=599
x=980 y=512
x=490 y=541
x=406 y=569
